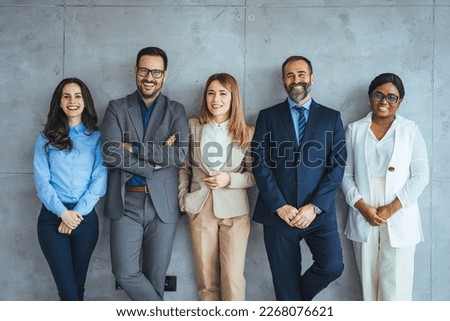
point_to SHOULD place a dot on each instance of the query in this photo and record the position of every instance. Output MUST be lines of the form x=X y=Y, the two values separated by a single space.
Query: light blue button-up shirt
x=77 y=176
x=295 y=113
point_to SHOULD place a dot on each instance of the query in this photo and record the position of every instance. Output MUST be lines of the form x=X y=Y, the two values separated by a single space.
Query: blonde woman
x=213 y=190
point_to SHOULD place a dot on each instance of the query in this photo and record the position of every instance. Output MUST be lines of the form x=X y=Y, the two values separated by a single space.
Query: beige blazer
x=230 y=201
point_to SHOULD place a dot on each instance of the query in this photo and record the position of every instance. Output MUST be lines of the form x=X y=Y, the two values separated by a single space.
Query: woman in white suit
x=386 y=172
x=213 y=190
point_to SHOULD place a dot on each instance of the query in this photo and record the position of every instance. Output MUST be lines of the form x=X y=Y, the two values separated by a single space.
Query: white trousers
x=386 y=273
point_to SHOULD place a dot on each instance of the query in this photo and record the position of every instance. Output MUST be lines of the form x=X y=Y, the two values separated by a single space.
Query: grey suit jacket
x=230 y=201
x=123 y=123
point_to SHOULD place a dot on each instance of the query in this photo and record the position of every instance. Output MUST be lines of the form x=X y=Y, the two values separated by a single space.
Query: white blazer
x=406 y=177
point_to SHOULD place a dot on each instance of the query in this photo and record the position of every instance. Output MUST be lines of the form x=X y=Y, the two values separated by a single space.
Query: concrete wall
x=348 y=41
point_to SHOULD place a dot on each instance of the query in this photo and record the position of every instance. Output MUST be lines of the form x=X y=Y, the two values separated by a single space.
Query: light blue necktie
x=301 y=122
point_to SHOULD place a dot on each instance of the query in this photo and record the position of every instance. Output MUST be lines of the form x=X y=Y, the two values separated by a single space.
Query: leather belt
x=137 y=189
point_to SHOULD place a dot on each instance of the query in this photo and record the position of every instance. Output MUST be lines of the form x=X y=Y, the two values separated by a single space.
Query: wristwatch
x=317 y=209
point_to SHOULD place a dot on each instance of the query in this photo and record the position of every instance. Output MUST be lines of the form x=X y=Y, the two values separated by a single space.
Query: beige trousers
x=386 y=273
x=219 y=247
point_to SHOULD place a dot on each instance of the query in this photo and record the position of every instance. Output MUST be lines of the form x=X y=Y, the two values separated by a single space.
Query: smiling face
x=148 y=86
x=218 y=99
x=382 y=101
x=72 y=103
x=297 y=79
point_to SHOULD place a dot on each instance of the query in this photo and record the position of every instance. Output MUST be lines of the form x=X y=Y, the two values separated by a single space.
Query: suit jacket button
x=391 y=168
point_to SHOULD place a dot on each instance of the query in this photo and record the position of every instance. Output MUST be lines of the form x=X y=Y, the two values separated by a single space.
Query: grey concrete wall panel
x=32 y=2
x=29 y=53
x=24 y=272
x=339 y=3
x=348 y=48
x=348 y=41
x=441 y=111
x=423 y=270
x=440 y=264
x=133 y=3
x=199 y=41
x=441 y=158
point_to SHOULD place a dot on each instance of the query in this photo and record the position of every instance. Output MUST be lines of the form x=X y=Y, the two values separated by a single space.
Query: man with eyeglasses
x=144 y=138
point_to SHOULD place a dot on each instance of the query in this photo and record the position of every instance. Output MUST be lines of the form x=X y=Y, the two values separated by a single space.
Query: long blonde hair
x=238 y=129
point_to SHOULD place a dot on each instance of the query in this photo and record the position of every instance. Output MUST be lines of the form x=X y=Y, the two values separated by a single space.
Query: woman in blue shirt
x=70 y=179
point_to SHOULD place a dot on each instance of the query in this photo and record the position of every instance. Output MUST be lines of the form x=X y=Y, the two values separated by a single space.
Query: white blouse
x=216 y=145
x=379 y=152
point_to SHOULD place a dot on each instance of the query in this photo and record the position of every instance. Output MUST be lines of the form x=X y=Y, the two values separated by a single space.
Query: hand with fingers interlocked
x=287 y=213
x=71 y=219
x=305 y=216
x=370 y=213
x=217 y=180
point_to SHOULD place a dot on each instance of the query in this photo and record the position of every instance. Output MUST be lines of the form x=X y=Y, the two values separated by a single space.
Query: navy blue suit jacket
x=286 y=173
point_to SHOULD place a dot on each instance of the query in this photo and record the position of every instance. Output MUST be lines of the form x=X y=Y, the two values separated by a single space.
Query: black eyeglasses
x=156 y=73
x=390 y=98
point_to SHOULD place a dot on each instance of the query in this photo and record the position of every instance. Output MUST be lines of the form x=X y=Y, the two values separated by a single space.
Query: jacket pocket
x=194 y=201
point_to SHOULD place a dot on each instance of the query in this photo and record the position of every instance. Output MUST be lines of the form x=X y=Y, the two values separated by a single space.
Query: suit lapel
x=286 y=117
x=236 y=156
x=134 y=110
x=158 y=112
x=197 y=140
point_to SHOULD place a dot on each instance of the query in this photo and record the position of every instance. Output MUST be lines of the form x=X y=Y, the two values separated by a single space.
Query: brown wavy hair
x=56 y=129
x=238 y=129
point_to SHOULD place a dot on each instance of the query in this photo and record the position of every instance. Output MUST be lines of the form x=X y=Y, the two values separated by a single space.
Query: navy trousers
x=285 y=260
x=68 y=256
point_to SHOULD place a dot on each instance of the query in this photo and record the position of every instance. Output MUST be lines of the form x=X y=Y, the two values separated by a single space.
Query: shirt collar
x=222 y=126
x=306 y=105
x=78 y=129
x=142 y=103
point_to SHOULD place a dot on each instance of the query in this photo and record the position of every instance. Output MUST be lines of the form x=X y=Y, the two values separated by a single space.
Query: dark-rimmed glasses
x=156 y=73
x=390 y=98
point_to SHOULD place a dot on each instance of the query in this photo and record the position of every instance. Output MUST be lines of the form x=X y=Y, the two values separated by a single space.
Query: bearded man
x=298 y=162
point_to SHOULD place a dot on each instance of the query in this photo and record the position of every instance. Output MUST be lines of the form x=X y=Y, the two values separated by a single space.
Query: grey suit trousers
x=141 y=247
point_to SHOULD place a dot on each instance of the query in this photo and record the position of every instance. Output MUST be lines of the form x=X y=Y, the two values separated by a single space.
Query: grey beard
x=297 y=95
